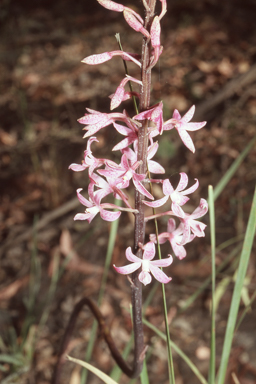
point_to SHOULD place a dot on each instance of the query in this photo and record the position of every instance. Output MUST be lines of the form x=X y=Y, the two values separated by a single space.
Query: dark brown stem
x=86 y=301
x=139 y=229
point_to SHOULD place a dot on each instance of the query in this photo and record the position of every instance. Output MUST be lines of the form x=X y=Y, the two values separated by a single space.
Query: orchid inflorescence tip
x=108 y=178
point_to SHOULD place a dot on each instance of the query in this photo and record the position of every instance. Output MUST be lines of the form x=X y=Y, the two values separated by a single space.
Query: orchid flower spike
x=148 y=266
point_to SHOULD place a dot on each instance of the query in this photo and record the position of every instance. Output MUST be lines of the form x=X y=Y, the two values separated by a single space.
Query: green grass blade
x=94 y=370
x=190 y=364
x=228 y=175
x=12 y=359
x=242 y=268
x=207 y=281
x=144 y=374
x=213 y=246
x=169 y=344
x=246 y=309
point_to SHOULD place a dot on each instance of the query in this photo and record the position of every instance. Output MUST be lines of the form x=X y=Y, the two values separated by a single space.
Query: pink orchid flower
x=153 y=166
x=112 y=186
x=182 y=125
x=176 y=195
x=94 y=206
x=130 y=132
x=174 y=236
x=96 y=120
x=154 y=114
x=100 y=58
x=148 y=266
x=189 y=222
x=118 y=96
x=89 y=160
x=126 y=171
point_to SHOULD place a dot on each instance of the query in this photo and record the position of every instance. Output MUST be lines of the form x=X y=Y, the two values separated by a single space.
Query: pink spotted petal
x=155 y=167
x=186 y=234
x=178 y=211
x=155 y=32
x=93 y=117
x=126 y=142
x=179 y=199
x=125 y=163
x=131 y=257
x=171 y=225
x=167 y=187
x=162 y=238
x=135 y=23
x=187 y=141
x=176 y=115
x=201 y=210
x=152 y=150
x=178 y=250
x=127 y=269
x=92 y=129
x=97 y=58
x=82 y=199
x=198 y=228
x=122 y=129
x=183 y=181
x=163 y=262
x=145 y=277
x=117 y=98
x=111 y=5
x=168 y=125
x=100 y=119
x=141 y=188
x=188 y=116
x=195 y=126
x=149 y=251
x=109 y=215
x=83 y=216
x=105 y=56
x=77 y=167
x=156 y=203
x=143 y=115
x=131 y=155
x=159 y=275
x=192 y=189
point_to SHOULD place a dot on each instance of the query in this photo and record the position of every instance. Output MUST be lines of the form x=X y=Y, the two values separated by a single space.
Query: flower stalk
x=108 y=178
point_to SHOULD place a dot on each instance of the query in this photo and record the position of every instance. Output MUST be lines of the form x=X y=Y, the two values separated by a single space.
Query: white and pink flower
x=146 y=264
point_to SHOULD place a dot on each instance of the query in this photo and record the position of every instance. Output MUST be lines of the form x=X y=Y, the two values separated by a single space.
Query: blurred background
x=48 y=261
